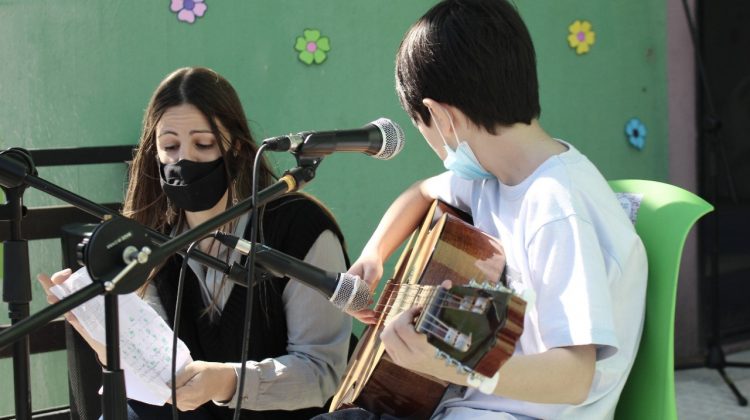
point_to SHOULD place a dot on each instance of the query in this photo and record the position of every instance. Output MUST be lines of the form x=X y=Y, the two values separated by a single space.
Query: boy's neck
x=514 y=152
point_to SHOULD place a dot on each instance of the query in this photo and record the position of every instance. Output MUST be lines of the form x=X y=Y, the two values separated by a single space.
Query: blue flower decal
x=636 y=132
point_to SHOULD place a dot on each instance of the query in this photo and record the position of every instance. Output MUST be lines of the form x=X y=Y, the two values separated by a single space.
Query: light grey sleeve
x=318 y=336
x=453 y=190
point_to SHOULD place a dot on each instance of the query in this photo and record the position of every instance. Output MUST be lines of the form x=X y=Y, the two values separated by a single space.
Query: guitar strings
x=452 y=299
x=415 y=295
x=383 y=310
x=410 y=299
x=449 y=301
x=435 y=322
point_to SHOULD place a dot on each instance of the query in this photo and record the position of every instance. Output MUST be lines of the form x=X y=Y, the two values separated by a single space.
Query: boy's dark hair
x=476 y=55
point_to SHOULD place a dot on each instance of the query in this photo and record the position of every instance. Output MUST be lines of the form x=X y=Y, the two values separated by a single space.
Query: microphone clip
x=286 y=143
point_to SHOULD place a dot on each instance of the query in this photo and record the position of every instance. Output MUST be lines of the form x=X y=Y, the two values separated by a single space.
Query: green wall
x=79 y=73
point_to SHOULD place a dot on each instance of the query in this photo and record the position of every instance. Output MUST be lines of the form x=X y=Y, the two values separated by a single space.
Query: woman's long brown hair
x=212 y=95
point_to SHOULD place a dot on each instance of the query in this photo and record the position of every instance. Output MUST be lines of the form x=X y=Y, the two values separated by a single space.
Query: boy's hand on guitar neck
x=408 y=348
x=370 y=269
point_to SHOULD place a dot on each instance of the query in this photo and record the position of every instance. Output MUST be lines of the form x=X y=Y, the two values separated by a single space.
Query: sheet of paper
x=145 y=340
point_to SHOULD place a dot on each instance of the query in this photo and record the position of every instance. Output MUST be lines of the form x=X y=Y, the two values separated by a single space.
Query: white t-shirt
x=570 y=246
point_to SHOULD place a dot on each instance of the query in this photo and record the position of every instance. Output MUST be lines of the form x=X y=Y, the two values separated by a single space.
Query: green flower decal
x=312 y=47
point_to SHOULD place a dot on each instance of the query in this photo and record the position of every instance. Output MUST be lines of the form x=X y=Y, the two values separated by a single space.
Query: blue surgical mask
x=462 y=161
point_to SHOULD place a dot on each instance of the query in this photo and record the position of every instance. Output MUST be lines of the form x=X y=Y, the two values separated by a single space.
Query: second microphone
x=381 y=139
x=345 y=291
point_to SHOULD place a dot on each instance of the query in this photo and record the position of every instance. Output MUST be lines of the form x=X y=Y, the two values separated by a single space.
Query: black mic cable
x=176 y=322
x=249 y=279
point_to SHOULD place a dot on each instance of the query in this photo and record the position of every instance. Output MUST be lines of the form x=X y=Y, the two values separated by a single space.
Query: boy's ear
x=442 y=114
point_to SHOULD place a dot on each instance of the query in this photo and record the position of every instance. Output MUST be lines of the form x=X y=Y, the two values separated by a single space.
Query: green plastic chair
x=665 y=217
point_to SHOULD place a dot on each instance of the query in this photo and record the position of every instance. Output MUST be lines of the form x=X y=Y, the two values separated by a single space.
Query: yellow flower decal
x=581 y=36
x=312 y=47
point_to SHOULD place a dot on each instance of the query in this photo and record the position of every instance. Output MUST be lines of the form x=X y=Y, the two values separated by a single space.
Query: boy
x=466 y=75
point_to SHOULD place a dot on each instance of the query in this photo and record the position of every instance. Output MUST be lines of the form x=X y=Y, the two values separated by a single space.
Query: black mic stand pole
x=17 y=284
x=710 y=129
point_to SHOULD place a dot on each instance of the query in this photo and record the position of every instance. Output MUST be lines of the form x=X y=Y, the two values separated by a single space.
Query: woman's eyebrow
x=165 y=132
x=199 y=131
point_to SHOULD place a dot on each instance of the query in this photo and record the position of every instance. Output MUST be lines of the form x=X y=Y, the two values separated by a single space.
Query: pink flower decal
x=188 y=10
x=312 y=48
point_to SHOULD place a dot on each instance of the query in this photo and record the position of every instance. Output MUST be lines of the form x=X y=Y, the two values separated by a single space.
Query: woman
x=194 y=160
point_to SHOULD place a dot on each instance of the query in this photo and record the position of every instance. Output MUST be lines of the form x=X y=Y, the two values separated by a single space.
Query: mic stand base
x=22 y=372
x=716 y=360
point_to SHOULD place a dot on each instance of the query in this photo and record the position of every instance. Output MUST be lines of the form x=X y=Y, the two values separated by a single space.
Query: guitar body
x=444 y=247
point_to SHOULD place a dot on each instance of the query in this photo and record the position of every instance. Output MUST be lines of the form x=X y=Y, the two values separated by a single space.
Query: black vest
x=291 y=225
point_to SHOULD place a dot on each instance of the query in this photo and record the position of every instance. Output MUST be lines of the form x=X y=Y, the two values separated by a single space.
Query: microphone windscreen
x=393 y=138
x=352 y=293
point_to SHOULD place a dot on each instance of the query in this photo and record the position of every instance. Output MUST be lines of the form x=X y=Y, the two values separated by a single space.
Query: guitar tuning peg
x=498 y=287
x=488 y=286
x=464 y=370
x=449 y=361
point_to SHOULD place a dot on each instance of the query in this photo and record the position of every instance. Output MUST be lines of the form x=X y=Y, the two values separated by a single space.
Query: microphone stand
x=717 y=162
x=17 y=282
x=125 y=240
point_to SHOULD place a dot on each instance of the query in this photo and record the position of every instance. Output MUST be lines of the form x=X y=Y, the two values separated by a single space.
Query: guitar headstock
x=473 y=326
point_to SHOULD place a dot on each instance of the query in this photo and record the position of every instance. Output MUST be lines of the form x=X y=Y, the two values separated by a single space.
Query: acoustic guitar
x=474 y=325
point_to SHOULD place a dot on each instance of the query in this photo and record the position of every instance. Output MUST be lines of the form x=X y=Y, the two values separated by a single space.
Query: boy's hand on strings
x=369 y=269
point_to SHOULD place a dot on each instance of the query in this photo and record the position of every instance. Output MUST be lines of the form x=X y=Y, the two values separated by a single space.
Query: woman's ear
x=235 y=151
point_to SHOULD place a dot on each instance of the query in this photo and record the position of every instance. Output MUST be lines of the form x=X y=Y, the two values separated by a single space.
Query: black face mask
x=194 y=186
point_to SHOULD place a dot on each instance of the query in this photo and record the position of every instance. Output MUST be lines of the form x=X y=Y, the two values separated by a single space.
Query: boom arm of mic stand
x=102 y=212
x=115 y=240
x=292 y=181
x=11 y=172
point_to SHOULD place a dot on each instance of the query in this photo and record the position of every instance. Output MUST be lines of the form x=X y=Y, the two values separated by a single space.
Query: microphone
x=345 y=291
x=381 y=139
